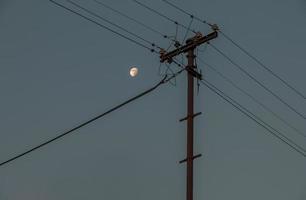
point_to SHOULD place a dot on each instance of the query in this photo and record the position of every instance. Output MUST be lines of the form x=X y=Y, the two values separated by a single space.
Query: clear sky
x=58 y=70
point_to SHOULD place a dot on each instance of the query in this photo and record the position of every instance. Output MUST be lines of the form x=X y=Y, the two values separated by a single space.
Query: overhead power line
x=134 y=20
x=185 y=12
x=163 y=15
x=103 y=26
x=264 y=66
x=244 y=50
x=253 y=98
x=187 y=31
x=257 y=81
x=112 y=23
x=60 y=136
x=255 y=118
x=274 y=132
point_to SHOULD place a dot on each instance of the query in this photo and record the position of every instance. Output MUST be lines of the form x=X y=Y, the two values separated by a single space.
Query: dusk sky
x=58 y=70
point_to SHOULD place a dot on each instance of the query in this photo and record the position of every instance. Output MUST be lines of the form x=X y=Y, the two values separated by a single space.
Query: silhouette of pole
x=190 y=116
x=189 y=49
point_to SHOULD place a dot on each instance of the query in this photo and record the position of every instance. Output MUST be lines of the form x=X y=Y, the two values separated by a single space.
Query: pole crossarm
x=191 y=43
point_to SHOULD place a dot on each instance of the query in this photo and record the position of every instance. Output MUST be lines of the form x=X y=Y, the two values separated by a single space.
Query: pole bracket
x=194 y=73
x=194 y=157
x=193 y=116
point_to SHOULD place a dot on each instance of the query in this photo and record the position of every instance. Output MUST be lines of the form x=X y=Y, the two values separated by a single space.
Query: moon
x=133 y=71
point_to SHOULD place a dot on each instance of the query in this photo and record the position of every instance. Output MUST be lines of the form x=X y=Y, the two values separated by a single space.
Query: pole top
x=191 y=43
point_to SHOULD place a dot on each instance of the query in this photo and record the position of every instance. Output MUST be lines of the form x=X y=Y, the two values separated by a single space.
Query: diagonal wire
x=103 y=26
x=257 y=81
x=255 y=118
x=282 y=137
x=245 y=51
x=187 y=31
x=166 y=79
x=173 y=83
x=185 y=12
x=116 y=25
x=252 y=97
x=260 y=63
x=134 y=20
x=174 y=42
x=162 y=15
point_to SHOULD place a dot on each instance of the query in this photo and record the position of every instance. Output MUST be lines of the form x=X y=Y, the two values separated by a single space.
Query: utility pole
x=189 y=48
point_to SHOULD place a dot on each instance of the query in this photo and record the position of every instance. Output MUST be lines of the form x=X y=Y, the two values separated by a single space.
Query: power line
x=103 y=26
x=252 y=97
x=116 y=25
x=163 y=81
x=257 y=60
x=257 y=81
x=252 y=116
x=187 y=31
x=260 y=63
x=162 y=15
x=185 y=12
x=134 y=20
x=255 y=118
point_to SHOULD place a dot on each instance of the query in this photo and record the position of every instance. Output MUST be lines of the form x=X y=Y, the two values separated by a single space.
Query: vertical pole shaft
x=190 y=111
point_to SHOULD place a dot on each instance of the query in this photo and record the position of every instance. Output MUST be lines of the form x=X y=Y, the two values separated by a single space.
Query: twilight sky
x=58 y=70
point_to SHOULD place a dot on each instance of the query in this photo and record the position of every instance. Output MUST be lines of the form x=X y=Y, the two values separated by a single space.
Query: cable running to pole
x=259 y=62
x=255 y=118
x=166 y=79
x=162 y=15
x=134 y=20
x=185 y=12
x=187 y=31
x=116 y=25
x=257 y=81
x=103 y=26
x=252 y=97
x=274 y=132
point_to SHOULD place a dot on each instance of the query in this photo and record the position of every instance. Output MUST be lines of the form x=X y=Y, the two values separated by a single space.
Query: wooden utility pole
x=189 y=48
x=190 y=116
